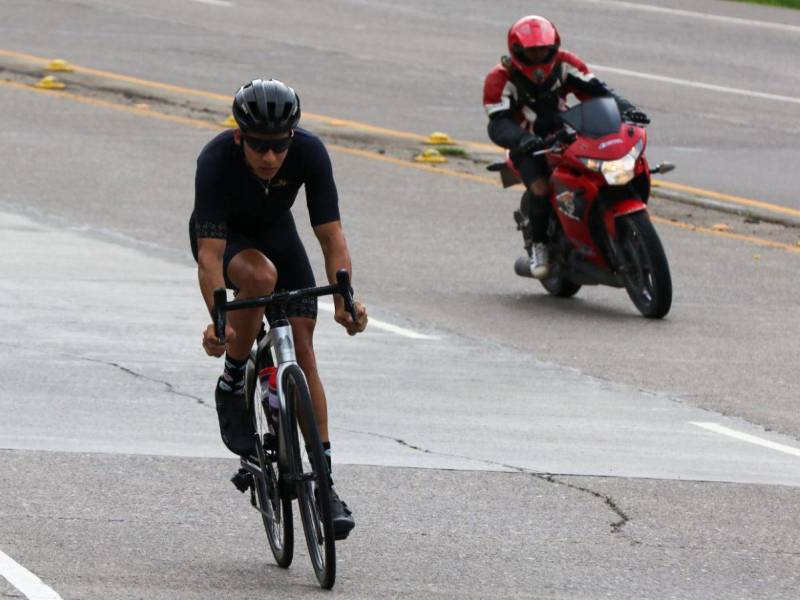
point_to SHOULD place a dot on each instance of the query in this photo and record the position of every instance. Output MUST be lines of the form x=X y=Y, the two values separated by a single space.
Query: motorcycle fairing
x=572 y=197
x=619 y=208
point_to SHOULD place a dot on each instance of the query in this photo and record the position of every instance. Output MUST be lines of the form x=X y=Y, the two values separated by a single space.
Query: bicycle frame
x=257 y=468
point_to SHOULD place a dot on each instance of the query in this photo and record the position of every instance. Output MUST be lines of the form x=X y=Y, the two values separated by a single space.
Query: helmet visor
x=535 y=55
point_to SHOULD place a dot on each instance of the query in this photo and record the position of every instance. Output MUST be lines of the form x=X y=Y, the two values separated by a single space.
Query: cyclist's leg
x=303 y=330
x=251 y=274
x=294 y=272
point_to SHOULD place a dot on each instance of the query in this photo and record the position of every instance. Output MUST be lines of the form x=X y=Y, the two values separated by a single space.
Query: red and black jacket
x=516 y=105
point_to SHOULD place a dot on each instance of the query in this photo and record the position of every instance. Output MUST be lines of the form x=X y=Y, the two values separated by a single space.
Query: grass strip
x=784 y=3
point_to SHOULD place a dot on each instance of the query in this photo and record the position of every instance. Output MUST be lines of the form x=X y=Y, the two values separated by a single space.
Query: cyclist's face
x=265 y=164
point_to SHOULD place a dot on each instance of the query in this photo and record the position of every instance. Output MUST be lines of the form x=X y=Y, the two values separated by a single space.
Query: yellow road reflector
x=50 y=83
x=437 y=138
x=430 y=155
x=721 y=227
x=59 y=64
x=230 y=122
x=756 y=257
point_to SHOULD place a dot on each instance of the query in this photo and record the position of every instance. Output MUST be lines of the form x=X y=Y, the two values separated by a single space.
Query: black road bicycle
x=280 y=469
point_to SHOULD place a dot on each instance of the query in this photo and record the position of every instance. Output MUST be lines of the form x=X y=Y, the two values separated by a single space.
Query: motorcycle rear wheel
x=647 y=278
x=558 y=285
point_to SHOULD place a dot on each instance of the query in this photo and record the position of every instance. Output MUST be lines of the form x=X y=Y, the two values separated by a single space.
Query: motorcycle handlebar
x=559 y=138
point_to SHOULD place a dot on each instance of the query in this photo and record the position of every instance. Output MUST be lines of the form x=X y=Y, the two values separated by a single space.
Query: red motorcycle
x=599 y=231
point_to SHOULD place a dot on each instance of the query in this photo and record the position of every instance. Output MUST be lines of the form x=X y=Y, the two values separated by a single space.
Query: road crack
x=611 y=504
x=170 y=387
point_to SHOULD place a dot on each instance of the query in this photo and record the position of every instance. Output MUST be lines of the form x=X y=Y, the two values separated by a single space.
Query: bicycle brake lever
x=218 y=313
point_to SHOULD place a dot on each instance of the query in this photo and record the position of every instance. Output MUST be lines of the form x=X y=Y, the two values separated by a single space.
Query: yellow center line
x=374 y=129
x=368 y=154
x=725 y=197
x=414 y=165
x=727 y=234
x=114 y=106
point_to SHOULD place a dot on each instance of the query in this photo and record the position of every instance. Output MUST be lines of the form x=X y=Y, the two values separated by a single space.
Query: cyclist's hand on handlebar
x=345 y=319
x=211 y=342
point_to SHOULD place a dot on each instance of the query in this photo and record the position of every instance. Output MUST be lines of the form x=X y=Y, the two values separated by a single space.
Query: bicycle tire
x=279 y=527
x=316 y=516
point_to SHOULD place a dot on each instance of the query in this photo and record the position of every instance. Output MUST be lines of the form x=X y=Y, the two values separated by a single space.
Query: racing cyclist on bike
x=523 y=96
x=243 y=237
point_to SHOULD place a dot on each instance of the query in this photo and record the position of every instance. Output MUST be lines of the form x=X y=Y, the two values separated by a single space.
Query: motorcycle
x=598 y=230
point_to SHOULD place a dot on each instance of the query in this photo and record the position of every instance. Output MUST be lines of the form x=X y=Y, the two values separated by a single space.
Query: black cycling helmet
x=266 y=106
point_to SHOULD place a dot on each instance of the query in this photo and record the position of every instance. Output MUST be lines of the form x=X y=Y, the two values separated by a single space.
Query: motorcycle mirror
x=663 y=168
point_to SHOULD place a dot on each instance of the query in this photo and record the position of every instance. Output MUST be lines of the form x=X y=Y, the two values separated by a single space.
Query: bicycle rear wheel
x=312 y=477
x=276 y=512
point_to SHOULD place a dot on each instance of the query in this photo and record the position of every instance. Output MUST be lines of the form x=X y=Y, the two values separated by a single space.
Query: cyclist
x=243 y=237
x=523 y=96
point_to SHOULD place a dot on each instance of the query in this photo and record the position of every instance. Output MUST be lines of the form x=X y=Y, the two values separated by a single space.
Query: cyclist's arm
x=210 y=252
x=337 y=256
x=334 y=249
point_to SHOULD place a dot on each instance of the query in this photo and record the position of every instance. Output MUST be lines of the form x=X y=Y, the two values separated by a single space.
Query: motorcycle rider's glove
x=634 y=115
x=528 y=143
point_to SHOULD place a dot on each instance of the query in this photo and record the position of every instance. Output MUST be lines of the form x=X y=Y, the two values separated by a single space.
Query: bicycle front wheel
x=276 y=512
x=313 y=480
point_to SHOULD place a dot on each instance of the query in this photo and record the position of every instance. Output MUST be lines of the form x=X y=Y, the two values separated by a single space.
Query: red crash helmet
x=533 y=43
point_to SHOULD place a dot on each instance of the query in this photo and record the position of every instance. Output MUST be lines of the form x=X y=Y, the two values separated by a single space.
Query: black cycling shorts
x=286 y=251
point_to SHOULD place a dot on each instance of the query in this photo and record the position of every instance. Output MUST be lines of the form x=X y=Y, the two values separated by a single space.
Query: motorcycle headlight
x=616 y=172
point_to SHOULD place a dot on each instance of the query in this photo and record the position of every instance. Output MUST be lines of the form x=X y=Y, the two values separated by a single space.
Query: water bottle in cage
x=269 y=391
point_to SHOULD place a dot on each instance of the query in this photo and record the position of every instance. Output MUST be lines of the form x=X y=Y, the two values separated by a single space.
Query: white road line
x=746 y=437
x=26 y=582
x=698 y=15
x=697 y=84
x=328 y=307
x=224 y=3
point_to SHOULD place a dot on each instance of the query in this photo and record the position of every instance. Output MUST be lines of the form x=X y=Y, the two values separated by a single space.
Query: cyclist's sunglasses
x=262 y=146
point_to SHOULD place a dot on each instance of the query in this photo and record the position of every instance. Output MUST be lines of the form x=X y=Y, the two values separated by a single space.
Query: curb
x=761 y=214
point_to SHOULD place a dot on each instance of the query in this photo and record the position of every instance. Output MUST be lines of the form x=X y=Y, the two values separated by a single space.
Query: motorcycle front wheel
x=646 y=275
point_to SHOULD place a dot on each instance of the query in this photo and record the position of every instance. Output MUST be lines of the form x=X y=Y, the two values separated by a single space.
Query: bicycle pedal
x=243 y=480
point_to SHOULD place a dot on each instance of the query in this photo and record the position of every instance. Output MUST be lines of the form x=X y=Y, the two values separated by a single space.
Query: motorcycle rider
x=523 y=96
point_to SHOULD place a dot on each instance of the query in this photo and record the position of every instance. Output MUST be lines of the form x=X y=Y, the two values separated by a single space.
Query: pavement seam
x=616 y=526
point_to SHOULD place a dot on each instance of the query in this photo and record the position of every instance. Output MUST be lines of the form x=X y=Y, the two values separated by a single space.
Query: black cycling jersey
x=232 y=203
x=228 y=195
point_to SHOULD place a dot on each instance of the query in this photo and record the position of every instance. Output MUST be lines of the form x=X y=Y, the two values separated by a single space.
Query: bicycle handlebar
x=222 y=306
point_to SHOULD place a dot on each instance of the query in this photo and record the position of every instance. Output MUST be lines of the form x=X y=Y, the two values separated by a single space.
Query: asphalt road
x=530 y=448
x=425 y=72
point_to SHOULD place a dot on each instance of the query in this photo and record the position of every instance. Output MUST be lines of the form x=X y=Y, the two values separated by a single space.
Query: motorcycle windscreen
x=594 y=118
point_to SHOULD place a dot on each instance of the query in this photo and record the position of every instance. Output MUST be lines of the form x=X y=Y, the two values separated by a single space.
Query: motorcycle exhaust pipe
x=522 y=267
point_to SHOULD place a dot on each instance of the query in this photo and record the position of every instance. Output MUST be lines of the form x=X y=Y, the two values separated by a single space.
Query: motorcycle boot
x=539 y=261
x=531 y=219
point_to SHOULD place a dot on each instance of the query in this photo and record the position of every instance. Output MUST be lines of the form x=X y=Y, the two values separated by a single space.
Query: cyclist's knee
x=253 y=273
